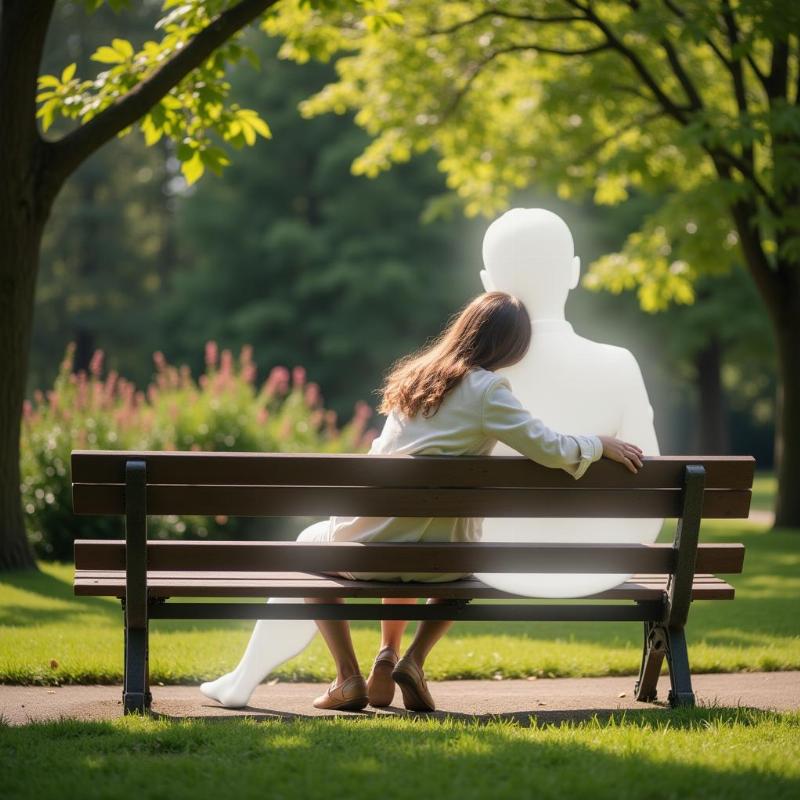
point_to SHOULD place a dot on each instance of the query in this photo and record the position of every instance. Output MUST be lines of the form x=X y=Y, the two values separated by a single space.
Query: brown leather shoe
x=380 y=685
x=349 y=695
x=411 y=680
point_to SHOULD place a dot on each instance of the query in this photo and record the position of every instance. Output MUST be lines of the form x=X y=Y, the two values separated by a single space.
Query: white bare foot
x=227 y=691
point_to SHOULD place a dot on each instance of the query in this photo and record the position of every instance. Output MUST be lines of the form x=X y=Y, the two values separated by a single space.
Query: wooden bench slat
x=162 y=585
x=447 y=557
x=277 y=501
x=299 y=575
x=311 y=469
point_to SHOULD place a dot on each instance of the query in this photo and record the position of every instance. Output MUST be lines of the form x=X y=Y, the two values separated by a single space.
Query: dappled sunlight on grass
x=710 y=752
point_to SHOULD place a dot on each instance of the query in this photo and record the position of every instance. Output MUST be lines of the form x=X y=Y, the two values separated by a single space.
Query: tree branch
x=678 y=70
x=551 y=51
x=66 y=154
x=673 y=109
x=778 y=79
x=636 y=122
x=683 y=16
x=728 y=159
x=478 y=66
x=504 y=15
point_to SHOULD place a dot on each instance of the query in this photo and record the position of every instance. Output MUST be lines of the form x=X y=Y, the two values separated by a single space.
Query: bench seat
x=228 y=580
x=300 y=584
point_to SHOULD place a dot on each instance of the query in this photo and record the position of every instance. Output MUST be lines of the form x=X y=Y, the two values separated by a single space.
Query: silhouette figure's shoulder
x=612 y=352
x=610 y=356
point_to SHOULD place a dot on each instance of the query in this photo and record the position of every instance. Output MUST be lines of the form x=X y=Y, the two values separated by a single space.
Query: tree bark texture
x=17 y=285
x=712 y=434
x=23 y=211
x=787 y=413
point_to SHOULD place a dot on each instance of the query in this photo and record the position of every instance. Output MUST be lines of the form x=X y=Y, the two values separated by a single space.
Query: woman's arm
x=504 y=418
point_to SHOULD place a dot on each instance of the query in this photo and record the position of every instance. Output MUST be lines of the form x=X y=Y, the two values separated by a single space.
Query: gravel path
x=550 y=700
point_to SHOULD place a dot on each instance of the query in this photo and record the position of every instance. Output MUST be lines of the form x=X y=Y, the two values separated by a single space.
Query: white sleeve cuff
x=591 y=448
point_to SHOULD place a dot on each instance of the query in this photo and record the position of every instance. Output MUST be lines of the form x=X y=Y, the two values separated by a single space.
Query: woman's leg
x=272 y=643
x=428 y=632
x=336 y=633
x=392 y=630
x=408 y=673
x=380 y=684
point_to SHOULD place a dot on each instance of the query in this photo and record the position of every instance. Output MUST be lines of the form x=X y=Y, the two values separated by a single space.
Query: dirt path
x=547 y=699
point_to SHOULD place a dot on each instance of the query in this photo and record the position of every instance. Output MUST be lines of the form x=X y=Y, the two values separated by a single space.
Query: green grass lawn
x=765 y=485
x=49 y=636
x=702 y=753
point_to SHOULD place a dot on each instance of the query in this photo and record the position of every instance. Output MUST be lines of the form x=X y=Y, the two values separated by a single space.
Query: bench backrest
x=279 y=484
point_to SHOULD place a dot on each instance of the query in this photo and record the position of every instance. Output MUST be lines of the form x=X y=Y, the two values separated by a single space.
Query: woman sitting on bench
x=444 y=400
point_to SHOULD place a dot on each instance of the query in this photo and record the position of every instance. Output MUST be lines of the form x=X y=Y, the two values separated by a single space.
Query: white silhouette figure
x=570 y=383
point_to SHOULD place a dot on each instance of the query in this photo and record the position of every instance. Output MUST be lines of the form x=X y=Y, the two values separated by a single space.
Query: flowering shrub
x=224 y=409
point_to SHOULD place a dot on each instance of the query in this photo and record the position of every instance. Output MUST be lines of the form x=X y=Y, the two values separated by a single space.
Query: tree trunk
x=712 y=436
x=17 y=283
x=787 y=414
x=23 y=211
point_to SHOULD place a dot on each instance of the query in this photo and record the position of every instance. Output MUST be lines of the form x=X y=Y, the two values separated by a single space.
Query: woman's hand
x=624 y=452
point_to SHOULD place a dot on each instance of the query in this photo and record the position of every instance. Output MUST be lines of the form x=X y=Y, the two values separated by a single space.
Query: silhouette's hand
x=624 y=452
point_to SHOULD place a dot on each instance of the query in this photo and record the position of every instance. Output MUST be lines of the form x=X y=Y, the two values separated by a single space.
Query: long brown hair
x=492 y=331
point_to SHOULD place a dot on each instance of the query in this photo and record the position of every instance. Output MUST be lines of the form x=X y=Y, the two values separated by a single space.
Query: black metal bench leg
x=136 y=686
x=653 y=652
x=680 y=675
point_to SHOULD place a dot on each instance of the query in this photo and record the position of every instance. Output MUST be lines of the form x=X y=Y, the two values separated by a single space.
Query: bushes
x=223 y=410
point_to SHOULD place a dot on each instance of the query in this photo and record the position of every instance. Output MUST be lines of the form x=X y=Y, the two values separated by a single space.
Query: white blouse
x=480 y=410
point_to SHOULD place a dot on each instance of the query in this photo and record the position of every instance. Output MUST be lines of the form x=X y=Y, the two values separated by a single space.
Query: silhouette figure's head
x=529 y=252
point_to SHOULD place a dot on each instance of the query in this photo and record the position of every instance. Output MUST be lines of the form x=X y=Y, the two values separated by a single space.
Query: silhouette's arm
x=636 y=423
x=505 y=419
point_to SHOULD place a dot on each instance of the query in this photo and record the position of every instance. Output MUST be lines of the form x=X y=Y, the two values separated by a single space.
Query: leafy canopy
x=190 y=114
x=197 y=113
x=670 y=97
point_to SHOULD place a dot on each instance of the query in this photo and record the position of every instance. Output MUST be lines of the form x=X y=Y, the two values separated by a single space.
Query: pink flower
x=226 y=362
x=160 y=361
x=298 y=376
x=278 y=381
x=111 y=381
x=246 y=354
x=330 y=422
x=262 y=415
x=96 y=364
x=362 y=411
x=211 y=354
x=312 y=395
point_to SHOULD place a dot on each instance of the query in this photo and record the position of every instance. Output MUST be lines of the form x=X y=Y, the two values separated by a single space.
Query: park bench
x=154 y=579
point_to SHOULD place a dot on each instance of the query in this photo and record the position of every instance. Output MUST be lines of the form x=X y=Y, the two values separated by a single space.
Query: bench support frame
x=664 y=635
x=667 y=639
x=136 y=686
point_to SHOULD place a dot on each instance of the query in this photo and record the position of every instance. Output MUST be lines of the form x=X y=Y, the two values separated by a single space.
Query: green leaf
x=46 y=113
x=68 y=73
x=152 y=134
x=185 y=151
x=124 y=47
x=260 y=126
x=107 y=55
x=48 y=80
x=193 y=168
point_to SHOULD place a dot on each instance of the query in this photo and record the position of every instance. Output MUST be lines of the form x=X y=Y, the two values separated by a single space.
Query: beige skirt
x=322 y=532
